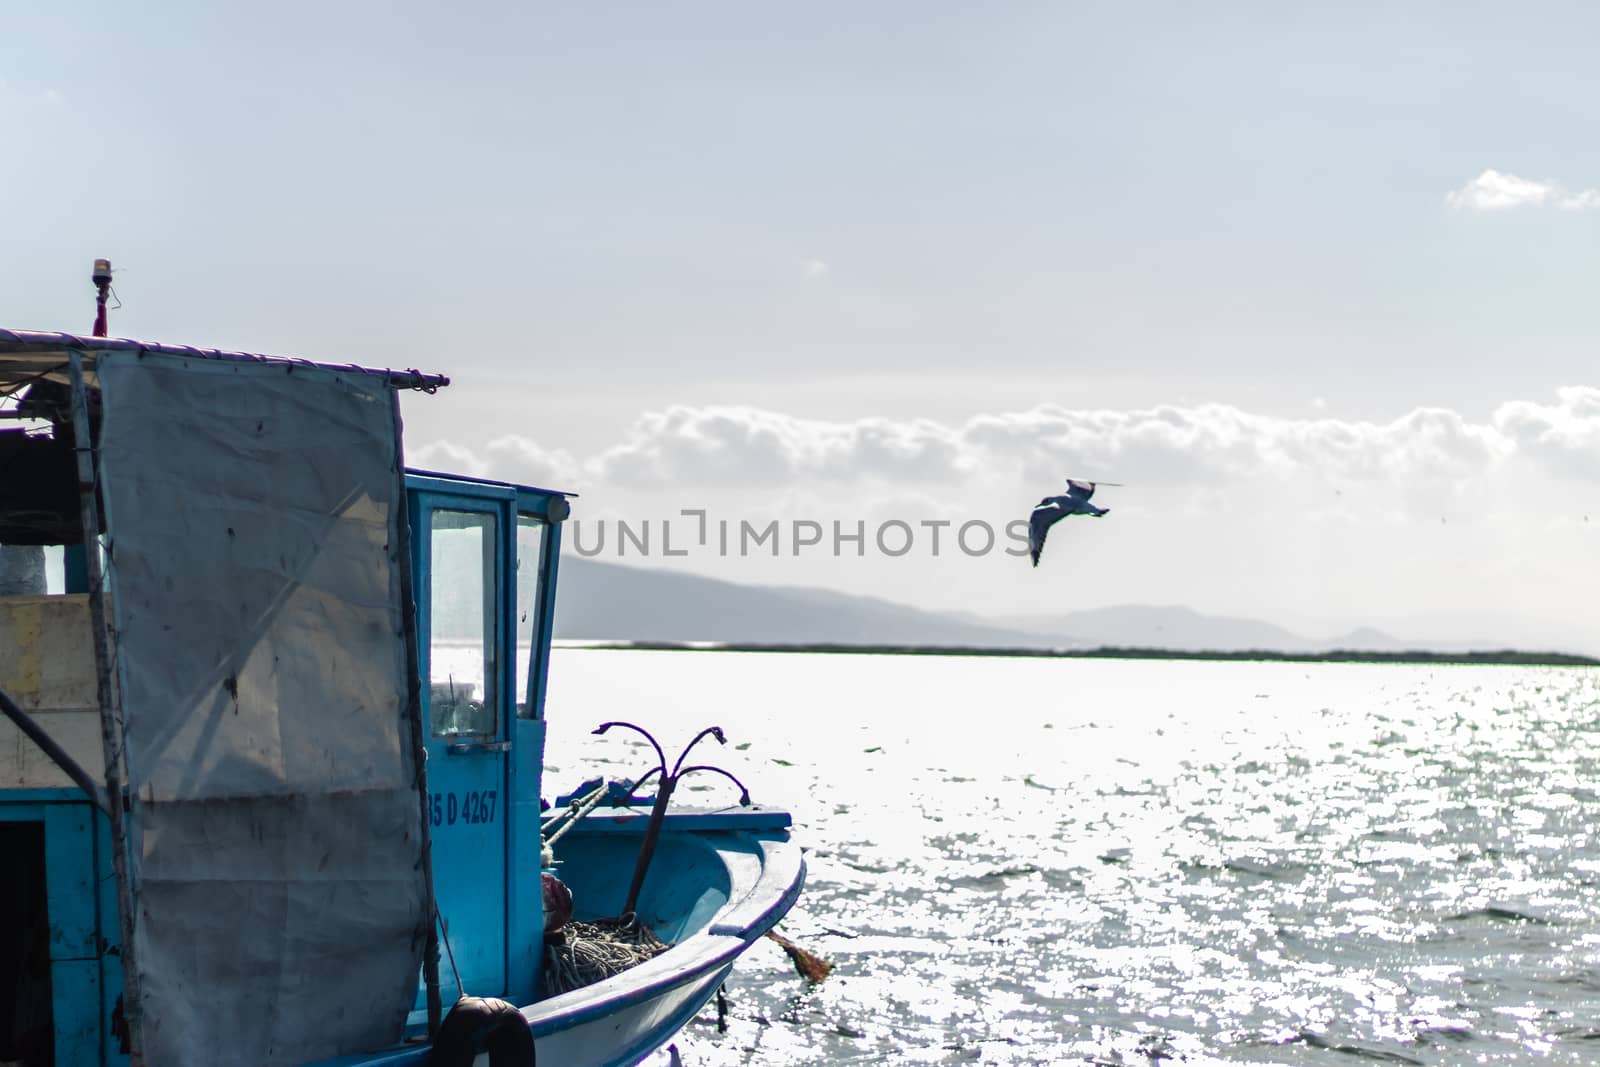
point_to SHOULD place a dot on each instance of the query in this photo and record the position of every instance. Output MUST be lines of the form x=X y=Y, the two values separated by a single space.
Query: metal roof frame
x=29 y=355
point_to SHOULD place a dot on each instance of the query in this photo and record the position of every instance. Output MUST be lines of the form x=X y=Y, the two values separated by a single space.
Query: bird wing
x=1039 y=523
x=1080 y=490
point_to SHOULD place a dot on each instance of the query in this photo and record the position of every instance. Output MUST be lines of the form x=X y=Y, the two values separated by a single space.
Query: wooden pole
x=418 y=735
x=110 y=719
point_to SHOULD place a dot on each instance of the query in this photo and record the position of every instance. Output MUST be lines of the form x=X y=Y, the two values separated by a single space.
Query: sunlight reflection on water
x=1020 y=861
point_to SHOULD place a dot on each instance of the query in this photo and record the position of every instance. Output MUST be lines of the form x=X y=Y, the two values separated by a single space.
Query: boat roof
x=474 y=479
x=33 y=355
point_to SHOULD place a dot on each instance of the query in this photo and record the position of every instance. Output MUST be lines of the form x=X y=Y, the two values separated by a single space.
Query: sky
x=1314 y=282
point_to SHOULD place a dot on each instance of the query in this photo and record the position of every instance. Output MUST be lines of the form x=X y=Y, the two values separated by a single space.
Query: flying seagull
x=1075 y=501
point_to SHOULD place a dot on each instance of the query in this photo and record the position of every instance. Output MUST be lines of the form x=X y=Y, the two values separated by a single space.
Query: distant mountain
x=608 y=601
x=611 y=602
x=1181 y=628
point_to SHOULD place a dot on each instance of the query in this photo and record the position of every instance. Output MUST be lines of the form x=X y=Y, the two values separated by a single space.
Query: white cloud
x=509 y=459
x=1587 y=200
x=1564 y=436
x=448 y=456
x=750 y=446
x=1494 y=191
x=814 y=268
x=1438 y=452
x=515 y=458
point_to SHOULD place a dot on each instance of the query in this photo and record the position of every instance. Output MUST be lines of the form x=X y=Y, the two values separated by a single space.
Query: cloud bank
x=1319 y=522
x=747 y=448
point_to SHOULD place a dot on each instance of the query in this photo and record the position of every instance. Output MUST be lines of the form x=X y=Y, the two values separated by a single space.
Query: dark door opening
x=27 y=1033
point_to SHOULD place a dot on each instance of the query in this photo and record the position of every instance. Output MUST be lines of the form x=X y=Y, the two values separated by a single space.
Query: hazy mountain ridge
x=1178 y=627
x=608 y=601
x=613 y=602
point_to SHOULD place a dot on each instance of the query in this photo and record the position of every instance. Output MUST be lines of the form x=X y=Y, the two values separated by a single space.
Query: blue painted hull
x=712 y=893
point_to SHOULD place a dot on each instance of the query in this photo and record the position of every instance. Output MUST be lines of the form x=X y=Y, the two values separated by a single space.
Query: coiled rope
x=583 y=953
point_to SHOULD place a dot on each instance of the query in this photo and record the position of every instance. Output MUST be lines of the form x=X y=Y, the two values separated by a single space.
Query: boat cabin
x=232 y=618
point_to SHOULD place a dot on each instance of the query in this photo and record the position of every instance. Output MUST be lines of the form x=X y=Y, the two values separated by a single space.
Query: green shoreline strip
x=1503 y=657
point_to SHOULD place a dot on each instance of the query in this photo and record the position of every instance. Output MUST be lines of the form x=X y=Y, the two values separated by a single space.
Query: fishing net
x=584 y=953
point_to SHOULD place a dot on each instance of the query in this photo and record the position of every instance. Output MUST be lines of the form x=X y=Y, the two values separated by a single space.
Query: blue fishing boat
x=271 y=764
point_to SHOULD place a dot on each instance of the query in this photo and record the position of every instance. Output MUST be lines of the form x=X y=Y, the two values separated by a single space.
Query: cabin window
x=530 y=584
x=39 y=501
x=462 y=667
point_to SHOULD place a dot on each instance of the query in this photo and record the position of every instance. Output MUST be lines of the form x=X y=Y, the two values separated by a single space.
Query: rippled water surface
x=1033 y=861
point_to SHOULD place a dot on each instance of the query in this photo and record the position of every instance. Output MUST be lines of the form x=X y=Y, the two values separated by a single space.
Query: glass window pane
x=461 y=645
x=530 y=580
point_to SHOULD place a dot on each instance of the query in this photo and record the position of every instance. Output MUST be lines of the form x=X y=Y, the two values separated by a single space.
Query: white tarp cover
x=252 y=514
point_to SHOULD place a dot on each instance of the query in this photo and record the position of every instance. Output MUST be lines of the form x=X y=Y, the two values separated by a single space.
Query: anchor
x=658 y=813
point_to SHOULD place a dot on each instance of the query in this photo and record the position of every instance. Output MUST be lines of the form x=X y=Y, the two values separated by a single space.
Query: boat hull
x=719 y=882
x=629 y=1034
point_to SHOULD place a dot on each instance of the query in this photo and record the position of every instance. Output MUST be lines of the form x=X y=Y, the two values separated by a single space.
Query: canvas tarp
x=252 y=514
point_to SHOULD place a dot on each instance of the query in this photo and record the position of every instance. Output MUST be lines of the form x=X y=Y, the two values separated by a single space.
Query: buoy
x=557 y=904
x=483 y=1024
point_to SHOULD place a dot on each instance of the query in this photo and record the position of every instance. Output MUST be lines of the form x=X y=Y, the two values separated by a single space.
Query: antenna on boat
x=102 y=284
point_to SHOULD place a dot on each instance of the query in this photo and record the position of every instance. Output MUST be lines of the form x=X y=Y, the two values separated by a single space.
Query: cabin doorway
x=461 y=544
x=27 y=1030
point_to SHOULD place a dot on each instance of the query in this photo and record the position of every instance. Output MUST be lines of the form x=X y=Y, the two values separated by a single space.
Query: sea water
x=1040 y=861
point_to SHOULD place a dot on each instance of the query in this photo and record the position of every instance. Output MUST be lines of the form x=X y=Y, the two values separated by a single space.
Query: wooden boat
x=316 y=706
